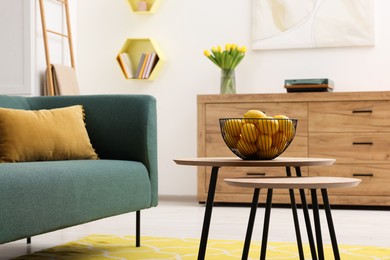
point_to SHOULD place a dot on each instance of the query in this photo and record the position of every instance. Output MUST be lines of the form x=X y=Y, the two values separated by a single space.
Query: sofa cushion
x=44 y=196
x=44 y=135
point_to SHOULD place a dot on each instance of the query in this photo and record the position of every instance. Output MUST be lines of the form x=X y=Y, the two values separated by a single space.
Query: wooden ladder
x=45 y=31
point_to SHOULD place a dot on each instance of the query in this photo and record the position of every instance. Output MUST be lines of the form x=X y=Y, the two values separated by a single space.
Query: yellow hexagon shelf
x=144 y=6
x=140 y=58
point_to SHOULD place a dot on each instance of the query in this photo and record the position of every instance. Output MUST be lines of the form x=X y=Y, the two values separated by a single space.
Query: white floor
x=173 y=218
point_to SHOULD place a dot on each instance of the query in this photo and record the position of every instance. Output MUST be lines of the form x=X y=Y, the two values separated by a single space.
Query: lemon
x=249 y=133
x=254 y=114
x=285 y=125
x=269 y=125
x=279 y=140
x=289 y=132
x=231 y=140
x=246 y=149
x=233 y=127
x=264 y=142
x=281 y=117
x=287 y=128
x=269 y=153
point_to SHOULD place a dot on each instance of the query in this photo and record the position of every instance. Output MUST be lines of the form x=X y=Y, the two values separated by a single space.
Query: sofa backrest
x=15 y=102
x=118 y=125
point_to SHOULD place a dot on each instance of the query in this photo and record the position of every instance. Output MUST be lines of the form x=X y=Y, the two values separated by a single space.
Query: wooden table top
x=293 y=182
x=238 y=162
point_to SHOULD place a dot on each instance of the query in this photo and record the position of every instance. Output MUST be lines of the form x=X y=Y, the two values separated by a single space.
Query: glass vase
x=228 y=81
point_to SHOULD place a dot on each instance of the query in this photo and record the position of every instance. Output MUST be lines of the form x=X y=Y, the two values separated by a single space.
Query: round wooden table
x=287 y=162
x=311 y=183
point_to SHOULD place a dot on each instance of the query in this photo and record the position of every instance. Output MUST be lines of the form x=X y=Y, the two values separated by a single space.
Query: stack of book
x=145 y=65
x=309 y=85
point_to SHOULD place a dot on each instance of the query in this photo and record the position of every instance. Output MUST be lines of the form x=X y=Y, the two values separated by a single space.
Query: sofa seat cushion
x=46 y=196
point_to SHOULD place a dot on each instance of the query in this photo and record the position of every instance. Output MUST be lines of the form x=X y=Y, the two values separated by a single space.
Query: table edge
x=237 y=162
x=297 y=183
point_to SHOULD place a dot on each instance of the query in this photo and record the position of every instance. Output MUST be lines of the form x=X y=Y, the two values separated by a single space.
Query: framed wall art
x=280 y=24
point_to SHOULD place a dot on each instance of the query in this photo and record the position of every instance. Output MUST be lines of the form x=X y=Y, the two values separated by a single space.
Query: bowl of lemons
x=258 y=136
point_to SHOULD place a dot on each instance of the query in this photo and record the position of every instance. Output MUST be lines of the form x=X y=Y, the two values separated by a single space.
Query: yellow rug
x=152 y=248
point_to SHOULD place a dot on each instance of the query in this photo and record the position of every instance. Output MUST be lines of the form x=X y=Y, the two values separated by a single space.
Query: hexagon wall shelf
x=136 y=48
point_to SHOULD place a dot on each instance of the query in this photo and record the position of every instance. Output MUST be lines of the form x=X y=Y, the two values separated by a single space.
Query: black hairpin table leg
x=306 y=215
x=296 y=220
x=317 y=224
x=207 y=214
x=251 y=222
x=266 y=225
x=329 y=219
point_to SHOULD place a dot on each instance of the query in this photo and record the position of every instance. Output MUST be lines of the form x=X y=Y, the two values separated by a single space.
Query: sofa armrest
x=121 y=127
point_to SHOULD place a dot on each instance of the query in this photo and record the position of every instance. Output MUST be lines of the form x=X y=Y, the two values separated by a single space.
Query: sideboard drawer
x=356 y=116
x=374 y=178
x=351 y=147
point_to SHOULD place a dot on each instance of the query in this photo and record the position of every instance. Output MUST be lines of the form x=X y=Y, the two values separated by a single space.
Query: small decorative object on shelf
x=227 y=59
x=142 y=5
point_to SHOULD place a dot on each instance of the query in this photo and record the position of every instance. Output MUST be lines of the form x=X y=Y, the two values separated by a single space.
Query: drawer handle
x=362 y=143
x=256 y=173
x=357 y=111
x=363 y=175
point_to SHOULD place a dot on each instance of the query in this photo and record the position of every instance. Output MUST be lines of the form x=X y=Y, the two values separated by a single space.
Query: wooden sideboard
x=352 y=127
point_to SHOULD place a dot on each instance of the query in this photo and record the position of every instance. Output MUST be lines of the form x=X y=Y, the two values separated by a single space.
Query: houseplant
x=227 y=59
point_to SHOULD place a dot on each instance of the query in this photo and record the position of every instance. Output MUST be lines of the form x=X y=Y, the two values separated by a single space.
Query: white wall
x=16 y=47
x=183 y=30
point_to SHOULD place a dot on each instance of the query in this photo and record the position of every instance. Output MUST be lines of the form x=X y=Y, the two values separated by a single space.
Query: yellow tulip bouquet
x=227 y=59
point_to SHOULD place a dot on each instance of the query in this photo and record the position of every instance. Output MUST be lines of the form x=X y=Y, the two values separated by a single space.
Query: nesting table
x=287 y=162
x=310 y=183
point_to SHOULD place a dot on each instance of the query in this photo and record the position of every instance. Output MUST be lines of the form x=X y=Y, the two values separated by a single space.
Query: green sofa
x=43 y=196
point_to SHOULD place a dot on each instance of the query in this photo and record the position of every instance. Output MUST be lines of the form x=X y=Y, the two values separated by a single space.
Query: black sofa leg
x=29 y=240
x=138 y=229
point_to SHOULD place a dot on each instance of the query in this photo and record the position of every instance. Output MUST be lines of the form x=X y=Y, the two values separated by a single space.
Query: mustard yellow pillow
x=44 y=135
